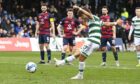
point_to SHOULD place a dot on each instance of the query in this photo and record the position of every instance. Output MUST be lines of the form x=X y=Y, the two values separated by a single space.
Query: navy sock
x=49 y=54
x=42 y=55
x=115 y=55
x=81 y=70
x=104 y=57
x=63 y=56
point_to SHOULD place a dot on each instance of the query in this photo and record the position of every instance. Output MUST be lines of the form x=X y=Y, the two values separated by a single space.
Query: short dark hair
x=70 y=9
x=137 y=7
x=105 y=7
x=85 y=8
x=43 y=4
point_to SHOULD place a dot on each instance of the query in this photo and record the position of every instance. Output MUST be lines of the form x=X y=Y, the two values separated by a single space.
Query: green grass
x=12 y=70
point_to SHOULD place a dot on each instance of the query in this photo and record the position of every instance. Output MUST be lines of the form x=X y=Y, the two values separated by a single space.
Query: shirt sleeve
x=101 y=23
x=51 y=18
x=62 y=21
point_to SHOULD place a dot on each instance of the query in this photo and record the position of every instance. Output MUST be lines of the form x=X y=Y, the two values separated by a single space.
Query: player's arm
x=130 y=32
x=52 y=26
x=81 y=27
x=84 y=11
x=118 y=22
x=114 y=32
x=59 y=29
x=37 y=28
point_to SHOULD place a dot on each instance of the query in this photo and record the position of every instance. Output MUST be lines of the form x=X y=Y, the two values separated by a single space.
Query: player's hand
x=119 y=22
x=75 y=33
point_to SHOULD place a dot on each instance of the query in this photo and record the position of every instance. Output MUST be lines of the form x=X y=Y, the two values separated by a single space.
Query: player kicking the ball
x=91 y=43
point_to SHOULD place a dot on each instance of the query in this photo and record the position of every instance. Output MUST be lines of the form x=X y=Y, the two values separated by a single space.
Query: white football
x=31 y=67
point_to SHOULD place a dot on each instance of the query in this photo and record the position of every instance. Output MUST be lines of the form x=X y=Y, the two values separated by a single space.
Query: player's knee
x=41 y=47
x=103 y=49
x=113 y=48
x=82 y=58
x=64 y=47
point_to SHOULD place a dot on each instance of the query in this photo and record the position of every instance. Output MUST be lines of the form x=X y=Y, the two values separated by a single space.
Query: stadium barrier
x=31 y=44
x=15 y=44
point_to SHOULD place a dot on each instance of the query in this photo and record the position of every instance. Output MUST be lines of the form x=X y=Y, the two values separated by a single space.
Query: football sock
x=70 y=58
x=138 y=56
x=115 y=55
x=42 y=55
x=49 y=54
x=104 y=56
x=139 y=61
x=81 y=67
x=63 y=56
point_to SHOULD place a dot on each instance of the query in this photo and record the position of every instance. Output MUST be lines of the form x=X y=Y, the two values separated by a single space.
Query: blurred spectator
x=26 y=32
x=124 y=14
x=127 y=26
x=18 y=29
x=2 y=33
x=17 y=11
x=33 y=12
x=30 y=21
x=12 y=17
x=8 y=26
x=27 y=10
x=120 y=33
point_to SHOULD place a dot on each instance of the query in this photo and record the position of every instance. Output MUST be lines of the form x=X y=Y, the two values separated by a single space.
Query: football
x=31 y=67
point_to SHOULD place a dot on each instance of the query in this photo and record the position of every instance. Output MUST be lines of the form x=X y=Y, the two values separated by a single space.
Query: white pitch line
x=89 y=66
x=109 y=67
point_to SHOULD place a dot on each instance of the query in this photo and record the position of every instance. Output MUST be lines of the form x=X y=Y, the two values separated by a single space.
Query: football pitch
x=12 y=70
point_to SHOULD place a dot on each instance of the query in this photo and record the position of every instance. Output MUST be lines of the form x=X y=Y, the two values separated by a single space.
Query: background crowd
x=18 y=17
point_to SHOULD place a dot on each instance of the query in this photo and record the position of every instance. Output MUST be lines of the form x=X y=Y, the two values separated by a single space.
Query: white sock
x=117 y=62
x=138 y=56
x=70 y=58
x=81 y=67
x=104 y=62
x=62 y=61
x=139 y=61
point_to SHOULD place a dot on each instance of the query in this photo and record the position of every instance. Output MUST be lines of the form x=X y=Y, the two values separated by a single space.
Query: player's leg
x=137 y=44
x=81 y=67
x=65 y=46
x=71 y=45
x=46 y=44
x=112 y=43
x=138 y=55
x=41 y=46
x=86 y=50
x=67 y=59
x=104 y=50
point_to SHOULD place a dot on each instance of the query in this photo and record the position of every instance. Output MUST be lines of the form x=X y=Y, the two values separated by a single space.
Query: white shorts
x=88 y=48
x=136 y=41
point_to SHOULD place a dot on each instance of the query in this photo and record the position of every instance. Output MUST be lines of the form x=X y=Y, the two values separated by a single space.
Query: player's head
x=137 y=11
x=70 y=13
x=44 y=7
x=83 y=16
x=104 y=10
